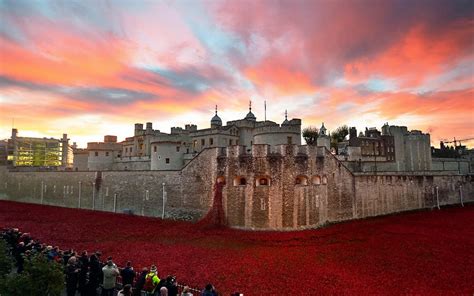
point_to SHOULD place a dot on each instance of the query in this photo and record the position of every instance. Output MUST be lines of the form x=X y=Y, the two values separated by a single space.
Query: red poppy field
x=423 y=253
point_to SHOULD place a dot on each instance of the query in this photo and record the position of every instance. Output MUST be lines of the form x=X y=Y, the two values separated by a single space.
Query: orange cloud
x=419 y=54
x=280 y=76
x=68 y=60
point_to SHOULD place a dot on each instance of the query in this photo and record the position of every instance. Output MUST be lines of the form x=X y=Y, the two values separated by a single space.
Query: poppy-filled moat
x=424 y=252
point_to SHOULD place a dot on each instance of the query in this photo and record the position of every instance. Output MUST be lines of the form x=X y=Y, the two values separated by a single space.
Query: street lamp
x=164 y=201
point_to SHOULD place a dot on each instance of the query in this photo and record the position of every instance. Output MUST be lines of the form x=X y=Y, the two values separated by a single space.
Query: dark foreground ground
x=423 y=253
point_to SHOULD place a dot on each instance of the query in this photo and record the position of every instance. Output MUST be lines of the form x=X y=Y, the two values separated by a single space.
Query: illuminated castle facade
x=150 y=149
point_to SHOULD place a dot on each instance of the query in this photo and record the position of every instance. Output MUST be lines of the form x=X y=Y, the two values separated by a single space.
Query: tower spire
x=216 y=109
x=286 y=114
x=250 y=105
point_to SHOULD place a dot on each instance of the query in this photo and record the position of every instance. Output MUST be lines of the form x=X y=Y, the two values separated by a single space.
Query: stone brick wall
x=385 y=194
x=282 y=187
x=189 y=191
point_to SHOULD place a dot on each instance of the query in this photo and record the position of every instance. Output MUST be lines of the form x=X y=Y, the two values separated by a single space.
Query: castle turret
x=149 y=128
x=250 y=116
x=352 y=133
x=138 y=129
x=216 y=121
x=285 y=122
x=322 y=130
x=323 y=139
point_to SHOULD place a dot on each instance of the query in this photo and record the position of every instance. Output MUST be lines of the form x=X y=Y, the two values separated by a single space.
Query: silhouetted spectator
x=141 y=281
x=209 y=290
x=95 y=274
x=127 y=274
x=171 y=285
x=84 y=266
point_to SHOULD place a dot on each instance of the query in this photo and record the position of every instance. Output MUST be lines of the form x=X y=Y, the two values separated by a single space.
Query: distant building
x=455 y=158
x=373 y=144
x=3 y=152
x=45 y=153
x=393 y=149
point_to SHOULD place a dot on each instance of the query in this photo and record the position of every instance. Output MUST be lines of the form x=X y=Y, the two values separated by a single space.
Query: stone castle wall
x=188 y=192
x=281 y=187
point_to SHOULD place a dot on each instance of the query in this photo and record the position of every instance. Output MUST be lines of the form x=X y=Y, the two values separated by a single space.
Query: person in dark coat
x=19 y=255
x=95 y=273
x=140 y=282
x=209 y=290
x=127 y=274
x=171 y=285
x=72 y=276
x=84 y=266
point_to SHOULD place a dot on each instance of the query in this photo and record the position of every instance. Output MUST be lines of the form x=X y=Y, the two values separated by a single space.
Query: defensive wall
x=282 y=187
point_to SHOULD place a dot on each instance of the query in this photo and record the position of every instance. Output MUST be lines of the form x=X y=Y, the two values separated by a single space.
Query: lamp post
x=164 y=201
x=80 y=189
x=375 y=157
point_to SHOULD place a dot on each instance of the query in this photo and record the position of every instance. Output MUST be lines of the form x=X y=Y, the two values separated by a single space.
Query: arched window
x=325 y=180
x=240 y=181
x=301 y=180
x=221 y=179
x=316 y=180
x=262 y=181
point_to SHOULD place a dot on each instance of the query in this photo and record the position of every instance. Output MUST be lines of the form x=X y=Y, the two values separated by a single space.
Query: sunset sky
x=90 y=68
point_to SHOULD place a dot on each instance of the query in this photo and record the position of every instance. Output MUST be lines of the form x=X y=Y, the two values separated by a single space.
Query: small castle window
x=240 y=181
x=263 y=181
x=230 y=142
x=325 y=180
x=131 y=149
x=167 y=160
x=96 y=153
x=203 y=142
x=290 y=140
x=316 y=180
x=126 y=150
x=211 y=141
x=301 y=180
x=177 y=148
x=107 y=153
x=154 y=148
x=195 y=143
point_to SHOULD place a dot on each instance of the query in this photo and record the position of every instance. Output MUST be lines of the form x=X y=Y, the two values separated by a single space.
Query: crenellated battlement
x=264 y=150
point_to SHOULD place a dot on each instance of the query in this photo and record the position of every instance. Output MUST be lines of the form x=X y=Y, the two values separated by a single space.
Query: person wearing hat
x=110 y=272
x=151 y=281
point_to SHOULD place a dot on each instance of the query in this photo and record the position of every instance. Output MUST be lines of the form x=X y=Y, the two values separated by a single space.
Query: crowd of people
x=88 y=275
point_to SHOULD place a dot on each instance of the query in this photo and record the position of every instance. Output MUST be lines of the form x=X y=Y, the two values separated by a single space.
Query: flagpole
x=265 y=107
